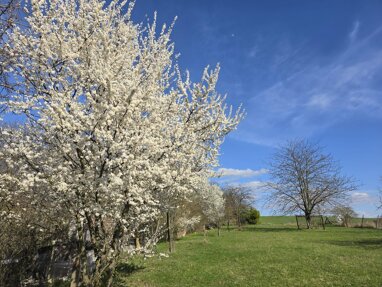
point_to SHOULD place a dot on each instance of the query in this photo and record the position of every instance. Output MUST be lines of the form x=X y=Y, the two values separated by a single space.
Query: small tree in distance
x=344 y=214
x=238 y=199
x=213 y=205
x=306 y=179
x=251 y=216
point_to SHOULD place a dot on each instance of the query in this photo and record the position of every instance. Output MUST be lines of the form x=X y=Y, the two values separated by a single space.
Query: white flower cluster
x=212 y=201
x=187 y=223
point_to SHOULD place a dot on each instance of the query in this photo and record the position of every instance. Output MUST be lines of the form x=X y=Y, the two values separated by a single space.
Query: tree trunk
x=308 y=220
x=75 y=276
x=298 y=226
x=322 y=222
x=137 y=243
x=51 y=260
x=238 y=219
x=110 y=273
x=80 y=275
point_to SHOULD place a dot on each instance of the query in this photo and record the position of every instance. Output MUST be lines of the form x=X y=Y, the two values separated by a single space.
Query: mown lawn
x=271 y=254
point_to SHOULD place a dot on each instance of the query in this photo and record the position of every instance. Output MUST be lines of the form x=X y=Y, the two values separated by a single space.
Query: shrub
x=251 y=216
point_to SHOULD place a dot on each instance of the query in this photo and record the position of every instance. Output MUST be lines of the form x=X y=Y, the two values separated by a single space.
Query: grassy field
x=273 y=253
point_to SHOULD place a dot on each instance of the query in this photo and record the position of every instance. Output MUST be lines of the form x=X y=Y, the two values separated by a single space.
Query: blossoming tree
x=212 y=203
x=113 y=130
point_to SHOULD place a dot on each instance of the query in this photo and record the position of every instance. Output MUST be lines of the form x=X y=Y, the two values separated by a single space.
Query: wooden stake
x=323 y=223
x=169 y=237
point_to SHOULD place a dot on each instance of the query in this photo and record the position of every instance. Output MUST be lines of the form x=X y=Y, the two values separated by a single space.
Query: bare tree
x=306 y=179
x=344 y=214
x=237 y=198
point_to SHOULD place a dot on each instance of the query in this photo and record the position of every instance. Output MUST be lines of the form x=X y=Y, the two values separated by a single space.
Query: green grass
x=273 y=253
x=278 y=220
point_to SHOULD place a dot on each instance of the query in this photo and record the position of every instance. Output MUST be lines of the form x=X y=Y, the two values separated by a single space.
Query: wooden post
x=137 y=243
x=376 y=222
x=323 y=223
x=363 y=217
x=169 y=237
x=238 y=219
x=205 y=233
x=298 y=226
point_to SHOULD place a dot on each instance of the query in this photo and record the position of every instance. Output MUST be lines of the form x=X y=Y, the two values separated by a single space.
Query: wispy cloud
x=249 y=178
x=365 y=203
x=319 y=93
x=354 y=32
x=232 y=172
x=361 y=197
x=253 y=51
x=255 y=185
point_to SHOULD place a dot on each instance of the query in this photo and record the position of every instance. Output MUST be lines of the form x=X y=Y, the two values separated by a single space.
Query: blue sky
x=301 y=69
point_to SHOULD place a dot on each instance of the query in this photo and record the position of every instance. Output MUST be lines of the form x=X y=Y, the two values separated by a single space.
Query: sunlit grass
x=274 y=253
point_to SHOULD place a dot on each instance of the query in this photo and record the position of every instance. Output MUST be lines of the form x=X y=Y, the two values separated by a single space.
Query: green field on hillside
x=278 y=220
x=273 y=253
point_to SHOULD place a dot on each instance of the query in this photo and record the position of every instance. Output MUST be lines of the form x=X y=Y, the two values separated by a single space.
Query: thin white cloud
x=225 y=172
x=361 y=197
x=322 y=101
x=354 y=32
x=258 y=189
x=253 y=52
x=254 y=185
x=317 y=94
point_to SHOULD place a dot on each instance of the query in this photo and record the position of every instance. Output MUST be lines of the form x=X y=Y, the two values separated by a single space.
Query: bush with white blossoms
x=112 y=129
x=188 y=223
x=212 y=202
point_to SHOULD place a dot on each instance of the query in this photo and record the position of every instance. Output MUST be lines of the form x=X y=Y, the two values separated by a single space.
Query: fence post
x=298 y=226
x=323 y=223
x=363 y=217
x=169 y=235
x=376 y=222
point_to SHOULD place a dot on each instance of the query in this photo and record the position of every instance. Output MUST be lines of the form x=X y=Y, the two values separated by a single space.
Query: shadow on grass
x=367 y=243
x=123 y=271
x=128 y=268
x=270 y=229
